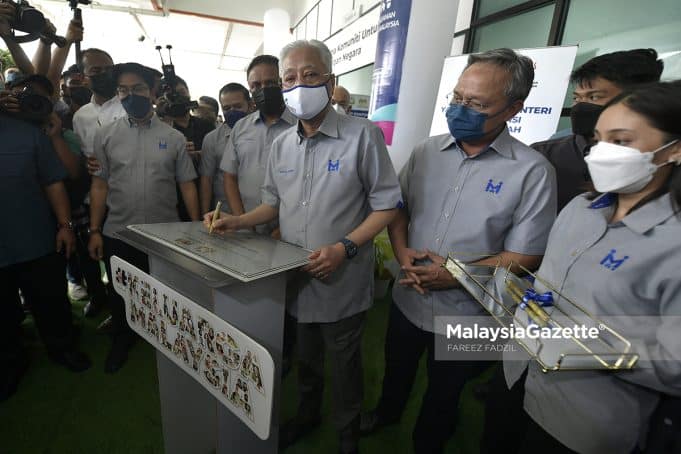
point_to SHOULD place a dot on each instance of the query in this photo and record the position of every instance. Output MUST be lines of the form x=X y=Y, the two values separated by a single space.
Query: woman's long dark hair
x=660 y=104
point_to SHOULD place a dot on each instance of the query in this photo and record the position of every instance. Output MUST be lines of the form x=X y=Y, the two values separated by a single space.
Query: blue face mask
x=232 y=116
x=467 y=124
x=136 y=106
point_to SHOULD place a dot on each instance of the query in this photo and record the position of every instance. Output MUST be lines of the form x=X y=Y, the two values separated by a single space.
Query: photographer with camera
x=176 y=107
x=193 y=128
x=74 y=34
x=22 y=17
x=36 y=235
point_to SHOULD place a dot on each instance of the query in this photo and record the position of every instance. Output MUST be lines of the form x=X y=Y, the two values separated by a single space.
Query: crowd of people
x=595 y=209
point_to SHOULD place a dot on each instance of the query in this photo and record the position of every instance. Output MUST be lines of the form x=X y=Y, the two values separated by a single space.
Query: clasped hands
x=424 y=277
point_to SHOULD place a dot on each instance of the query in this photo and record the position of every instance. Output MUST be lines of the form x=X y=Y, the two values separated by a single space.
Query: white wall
x=429 y=41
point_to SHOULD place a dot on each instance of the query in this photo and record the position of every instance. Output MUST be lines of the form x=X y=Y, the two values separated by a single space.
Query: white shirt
x=89 y=118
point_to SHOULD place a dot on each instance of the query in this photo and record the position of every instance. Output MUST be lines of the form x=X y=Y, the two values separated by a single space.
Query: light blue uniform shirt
x=142 y=165
x=324 y=187
x=213 y=148
x=503 y=199
x=631 y=268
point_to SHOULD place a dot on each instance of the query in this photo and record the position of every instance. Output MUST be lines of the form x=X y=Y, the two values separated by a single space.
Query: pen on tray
x=216 y=216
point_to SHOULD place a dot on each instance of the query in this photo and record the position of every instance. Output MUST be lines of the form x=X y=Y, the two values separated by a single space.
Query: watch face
x=350 y=248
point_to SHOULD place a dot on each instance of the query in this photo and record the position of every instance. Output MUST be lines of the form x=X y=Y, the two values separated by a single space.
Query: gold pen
x=216 y=216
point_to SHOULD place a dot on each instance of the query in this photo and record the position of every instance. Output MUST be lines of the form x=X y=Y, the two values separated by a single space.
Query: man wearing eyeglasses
x=332 y=186
x=474 y=192
x=141 y=160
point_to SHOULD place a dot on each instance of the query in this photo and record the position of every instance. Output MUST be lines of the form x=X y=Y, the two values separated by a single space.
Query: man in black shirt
x=597 y=81
x=194 y=130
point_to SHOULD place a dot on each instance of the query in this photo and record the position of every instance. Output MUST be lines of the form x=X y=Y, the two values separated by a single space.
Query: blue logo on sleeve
x=491 y=187
x=162 y=145
x=611 y=263
x=334 y=166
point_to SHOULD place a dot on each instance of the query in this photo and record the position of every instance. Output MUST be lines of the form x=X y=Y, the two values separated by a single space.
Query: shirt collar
x=286 y=116
x=653 y=213
x=603 y=201
x=224 y=129
x=502 y=144
x=106 y=103
x=150 y=123
x=329 y=126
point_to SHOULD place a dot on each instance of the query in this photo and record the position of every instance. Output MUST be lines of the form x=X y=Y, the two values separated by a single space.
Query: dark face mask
x=466 y=124
x=80 y=95
x=583 y=117
x=269 y=100
x=232 y=116
x=103 y=84
x=136 y=106
x=179 y=108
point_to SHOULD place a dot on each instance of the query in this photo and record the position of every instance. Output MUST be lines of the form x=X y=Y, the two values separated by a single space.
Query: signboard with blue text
x=539 y=117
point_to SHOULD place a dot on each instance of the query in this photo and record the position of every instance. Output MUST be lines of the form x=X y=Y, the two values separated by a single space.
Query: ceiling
x=213 y=40
x=229 y=31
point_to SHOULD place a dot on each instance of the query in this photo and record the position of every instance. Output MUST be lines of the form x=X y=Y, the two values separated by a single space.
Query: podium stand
x=240 y=279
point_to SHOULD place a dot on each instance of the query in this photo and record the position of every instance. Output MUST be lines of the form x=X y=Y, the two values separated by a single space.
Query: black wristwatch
x=350 y=248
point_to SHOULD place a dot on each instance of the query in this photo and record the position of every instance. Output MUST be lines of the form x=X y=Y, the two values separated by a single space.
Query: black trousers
x=404 y=345
x=342 y=341
x=133 y=256
x=43 y=286
x=89 y=268
x=505 y=420
x=509 y=429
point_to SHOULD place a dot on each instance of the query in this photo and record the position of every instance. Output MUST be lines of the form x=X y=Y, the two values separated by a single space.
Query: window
x=598 y=27
x=530 y=29
x=631 y=24
x=488 y=7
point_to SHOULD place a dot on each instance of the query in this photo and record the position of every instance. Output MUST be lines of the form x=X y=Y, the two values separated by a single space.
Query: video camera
x=33 y=106
x=32 y=22
x=171 y=103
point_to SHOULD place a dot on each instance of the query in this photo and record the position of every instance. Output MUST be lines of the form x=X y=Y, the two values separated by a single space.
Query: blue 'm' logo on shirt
x=334 y=166
x=162 y=145
x=611 y=263
x=491 y=187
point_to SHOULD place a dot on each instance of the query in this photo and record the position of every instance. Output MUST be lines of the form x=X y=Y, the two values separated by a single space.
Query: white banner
x=230 y=365
x=539 y=118
x=355 y=45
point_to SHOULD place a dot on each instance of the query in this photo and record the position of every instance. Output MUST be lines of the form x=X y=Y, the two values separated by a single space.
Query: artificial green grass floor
x=56 y=411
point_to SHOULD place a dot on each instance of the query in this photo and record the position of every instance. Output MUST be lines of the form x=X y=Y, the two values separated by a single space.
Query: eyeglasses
x=138 y=89
x=469 y=103
x=308 y=77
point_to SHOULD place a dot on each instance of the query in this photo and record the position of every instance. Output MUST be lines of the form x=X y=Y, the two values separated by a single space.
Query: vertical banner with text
x=385 y=87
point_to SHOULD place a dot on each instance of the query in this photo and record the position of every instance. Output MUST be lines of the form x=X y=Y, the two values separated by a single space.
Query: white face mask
x=306 y=101
x=620 y=169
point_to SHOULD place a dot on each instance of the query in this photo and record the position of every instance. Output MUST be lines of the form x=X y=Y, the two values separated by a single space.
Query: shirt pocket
x=250 y=154
x=160 y=157
x=17 y=165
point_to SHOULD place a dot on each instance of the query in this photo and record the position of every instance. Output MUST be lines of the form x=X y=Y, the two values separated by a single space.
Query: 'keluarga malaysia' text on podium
x=213 y=307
